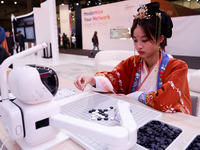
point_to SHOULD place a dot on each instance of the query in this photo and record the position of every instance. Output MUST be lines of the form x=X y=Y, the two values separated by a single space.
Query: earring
x=134 y=58
x=159 y=48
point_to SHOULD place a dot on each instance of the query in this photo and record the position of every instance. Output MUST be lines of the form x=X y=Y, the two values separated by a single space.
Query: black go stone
x=156 y=135
x=90 y=111
x=100 y=110
x=99 y=118
x=195 y=144
x=106 y=115
x=111 y=107
x=106 y=118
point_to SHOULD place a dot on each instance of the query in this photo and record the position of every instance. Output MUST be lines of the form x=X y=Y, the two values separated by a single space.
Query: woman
x=151 y=77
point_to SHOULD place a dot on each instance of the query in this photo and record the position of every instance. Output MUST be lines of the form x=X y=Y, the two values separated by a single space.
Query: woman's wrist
x=93 y=82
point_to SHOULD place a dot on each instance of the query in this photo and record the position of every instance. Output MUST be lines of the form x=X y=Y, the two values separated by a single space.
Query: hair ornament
x=142 y=13
x=158 y=26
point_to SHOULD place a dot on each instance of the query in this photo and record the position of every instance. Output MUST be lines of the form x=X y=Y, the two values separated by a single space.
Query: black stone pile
x=195 y=144
x=156 y=135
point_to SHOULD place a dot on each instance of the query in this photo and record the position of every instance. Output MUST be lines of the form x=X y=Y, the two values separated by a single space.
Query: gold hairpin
x=158 y=26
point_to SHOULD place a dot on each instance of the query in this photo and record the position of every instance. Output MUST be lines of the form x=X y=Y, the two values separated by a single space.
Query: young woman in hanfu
x=152 y=77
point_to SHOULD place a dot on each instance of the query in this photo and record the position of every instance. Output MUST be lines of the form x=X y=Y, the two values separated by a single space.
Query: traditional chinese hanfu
x=164 y=87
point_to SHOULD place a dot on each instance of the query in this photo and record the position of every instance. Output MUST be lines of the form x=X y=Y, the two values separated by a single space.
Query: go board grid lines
x=79 y=109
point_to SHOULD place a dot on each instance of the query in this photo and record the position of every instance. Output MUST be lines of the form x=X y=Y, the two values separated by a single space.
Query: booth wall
x=185 y=33
x=114 y=16
x=185 y=36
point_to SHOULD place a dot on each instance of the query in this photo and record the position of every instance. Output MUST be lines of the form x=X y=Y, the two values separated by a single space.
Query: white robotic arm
x=118 y=137
x=34 y=118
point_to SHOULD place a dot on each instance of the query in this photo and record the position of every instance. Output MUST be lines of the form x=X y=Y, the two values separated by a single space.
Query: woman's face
x=144 y=46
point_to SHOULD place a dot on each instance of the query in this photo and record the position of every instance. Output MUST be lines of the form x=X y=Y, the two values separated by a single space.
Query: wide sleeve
x=120 y=77
x=174 y=94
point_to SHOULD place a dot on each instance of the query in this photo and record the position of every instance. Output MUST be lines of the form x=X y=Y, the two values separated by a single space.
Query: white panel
x=42 y=27
x=116 y=15
x=185 y=36
x=64 y=20
x=53 y=29
x=46 y=29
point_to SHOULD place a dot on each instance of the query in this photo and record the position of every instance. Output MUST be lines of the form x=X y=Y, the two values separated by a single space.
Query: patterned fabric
x=137 y=77
x=163 y=65
x=172 y=94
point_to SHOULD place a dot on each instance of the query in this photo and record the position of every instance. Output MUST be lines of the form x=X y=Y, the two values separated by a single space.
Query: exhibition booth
x=36 y=120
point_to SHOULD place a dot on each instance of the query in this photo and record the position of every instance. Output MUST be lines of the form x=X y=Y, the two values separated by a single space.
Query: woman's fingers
x=81 y=82
x=78 y=83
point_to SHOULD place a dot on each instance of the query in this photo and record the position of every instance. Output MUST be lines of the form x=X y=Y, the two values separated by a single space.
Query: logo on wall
x=92 y=16
x=128 y=7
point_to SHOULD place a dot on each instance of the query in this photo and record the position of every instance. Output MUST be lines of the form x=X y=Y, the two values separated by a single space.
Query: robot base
x=61 y=137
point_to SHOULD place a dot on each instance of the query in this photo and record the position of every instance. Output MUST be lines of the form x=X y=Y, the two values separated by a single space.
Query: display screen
x=30 y=32
x=120 y=33
x=21 y=29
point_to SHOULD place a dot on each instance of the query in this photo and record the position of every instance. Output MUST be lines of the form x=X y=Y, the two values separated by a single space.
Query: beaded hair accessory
x=142 y=13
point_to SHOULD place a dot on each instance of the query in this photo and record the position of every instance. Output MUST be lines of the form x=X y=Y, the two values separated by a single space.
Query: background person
x=59 y=39
x=3 y=42
x=20 y=38
x=73 y=41
x=65 y=40
x=95 y=42
x=16 y=42
x=10 y=42
x=151 y=77
x=3 y=53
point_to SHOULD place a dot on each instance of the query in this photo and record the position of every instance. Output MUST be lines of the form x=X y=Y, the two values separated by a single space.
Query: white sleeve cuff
x=135 y=95
x=99 y=87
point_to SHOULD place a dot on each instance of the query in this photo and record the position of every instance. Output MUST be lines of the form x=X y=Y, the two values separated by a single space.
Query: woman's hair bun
x=166 y=22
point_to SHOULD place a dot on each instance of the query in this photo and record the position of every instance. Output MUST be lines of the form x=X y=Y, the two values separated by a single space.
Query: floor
x=63 y=59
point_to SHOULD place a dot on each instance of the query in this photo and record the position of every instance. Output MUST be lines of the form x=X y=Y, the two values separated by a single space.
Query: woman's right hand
x=82 y=80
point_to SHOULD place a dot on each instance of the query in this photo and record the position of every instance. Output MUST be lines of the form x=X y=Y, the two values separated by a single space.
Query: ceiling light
x=188 y=0
x=15 y=2
x=77 y=3
x=2 y=2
